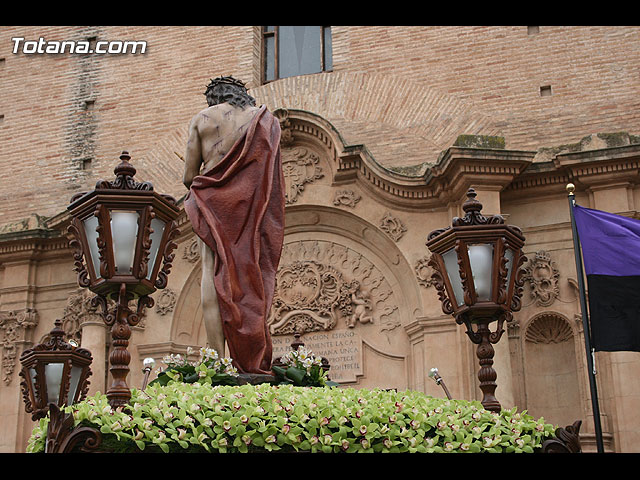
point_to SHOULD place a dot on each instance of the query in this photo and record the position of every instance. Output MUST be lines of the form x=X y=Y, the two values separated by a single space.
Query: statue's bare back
x=212 y=133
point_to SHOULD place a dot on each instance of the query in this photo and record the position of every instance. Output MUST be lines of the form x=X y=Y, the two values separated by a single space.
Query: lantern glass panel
x=90 y=231
x=158 y=229
x=508 y=254
x=124 y=229
x=73 y=383
x=53 y=373
x=32 y=375
x=481 y=260
x=453 y=271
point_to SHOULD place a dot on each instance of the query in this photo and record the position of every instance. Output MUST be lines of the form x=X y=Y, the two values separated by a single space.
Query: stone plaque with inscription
x=341 y=347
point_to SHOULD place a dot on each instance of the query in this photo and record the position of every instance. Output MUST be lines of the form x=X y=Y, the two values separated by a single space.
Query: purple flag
x=611 y=255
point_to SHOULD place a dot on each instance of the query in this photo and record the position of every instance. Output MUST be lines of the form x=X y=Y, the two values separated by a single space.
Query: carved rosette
x=14 y=326
x=320 y=284
x=166 y=301
x=346 y=198
x=424 y=272
x=542 y=275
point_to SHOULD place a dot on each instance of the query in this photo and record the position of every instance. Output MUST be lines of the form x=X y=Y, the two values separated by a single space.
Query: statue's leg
x=209 y=298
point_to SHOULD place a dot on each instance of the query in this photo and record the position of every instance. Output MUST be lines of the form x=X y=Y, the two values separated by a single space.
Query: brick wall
x=594 y=73
x=64 y=118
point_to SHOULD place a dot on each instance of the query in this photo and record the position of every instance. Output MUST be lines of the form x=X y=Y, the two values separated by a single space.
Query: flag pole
x=585 y=323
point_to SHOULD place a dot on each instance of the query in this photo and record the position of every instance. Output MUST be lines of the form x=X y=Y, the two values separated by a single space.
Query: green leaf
x=296 y=374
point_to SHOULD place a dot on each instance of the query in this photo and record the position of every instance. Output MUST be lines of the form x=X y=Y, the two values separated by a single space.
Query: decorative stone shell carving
x=548 y=328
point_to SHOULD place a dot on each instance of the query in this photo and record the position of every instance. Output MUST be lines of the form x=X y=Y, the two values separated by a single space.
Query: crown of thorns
x=225 y=81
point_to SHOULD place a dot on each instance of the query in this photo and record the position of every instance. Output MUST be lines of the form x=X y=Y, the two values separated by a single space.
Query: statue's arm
x=193 y=156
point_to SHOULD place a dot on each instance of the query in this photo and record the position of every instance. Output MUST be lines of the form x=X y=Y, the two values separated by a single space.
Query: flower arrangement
x=302 y=368
x=209 y=368
x=202 y=417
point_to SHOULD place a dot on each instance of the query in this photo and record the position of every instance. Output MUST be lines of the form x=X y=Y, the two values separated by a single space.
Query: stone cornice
x=456 y=169
x=586 y=169
x=32 y=244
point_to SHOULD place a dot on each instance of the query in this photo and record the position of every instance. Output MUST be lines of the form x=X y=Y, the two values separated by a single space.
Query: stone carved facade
x=14 y=328
x=392 y=156
x=321 y=283
x=78 y=310
x=542 y=275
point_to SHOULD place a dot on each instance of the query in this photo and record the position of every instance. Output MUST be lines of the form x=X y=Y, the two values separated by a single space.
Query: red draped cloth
x=237 y=209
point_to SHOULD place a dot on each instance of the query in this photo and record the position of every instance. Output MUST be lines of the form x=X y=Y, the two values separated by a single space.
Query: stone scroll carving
x=14 y=326
x=424 y=272
x=300 y=167
x=191 y=251
x=320 y=284
x=542 y=274
x=78 y=310
x=393 y=226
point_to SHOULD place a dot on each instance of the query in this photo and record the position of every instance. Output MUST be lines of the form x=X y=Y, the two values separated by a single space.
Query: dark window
x=295 y=50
